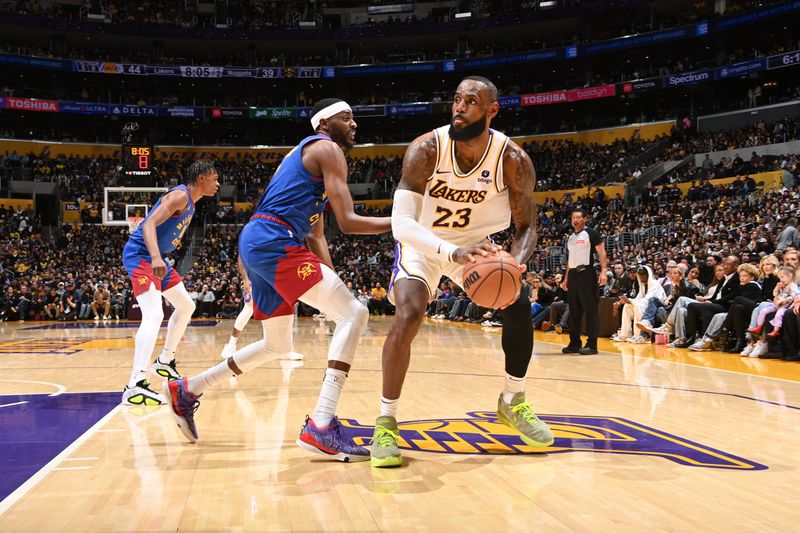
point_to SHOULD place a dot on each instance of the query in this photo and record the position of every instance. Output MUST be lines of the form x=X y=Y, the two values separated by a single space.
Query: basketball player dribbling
x=244 y=317
x=441 y=218
x=160 y=233
x=282 y=271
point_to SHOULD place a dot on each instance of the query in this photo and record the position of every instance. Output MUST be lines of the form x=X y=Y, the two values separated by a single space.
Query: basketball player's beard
x=342 y=139
x=470 y=131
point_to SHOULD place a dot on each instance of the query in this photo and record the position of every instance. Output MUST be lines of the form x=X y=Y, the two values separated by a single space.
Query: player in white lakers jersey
x=460 y=183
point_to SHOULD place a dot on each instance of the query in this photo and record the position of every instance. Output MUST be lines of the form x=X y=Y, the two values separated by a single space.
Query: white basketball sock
x=233 y=341
x=513 y=385
x=211 y=377
x=389 y=407
x=332 y=386
x=147 y=334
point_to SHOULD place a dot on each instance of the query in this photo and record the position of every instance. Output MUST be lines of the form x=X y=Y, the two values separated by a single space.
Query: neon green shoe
x=519 y=415
x=385 y=452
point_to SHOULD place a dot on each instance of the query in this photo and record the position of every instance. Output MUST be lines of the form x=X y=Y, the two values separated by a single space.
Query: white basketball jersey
x=466 y=207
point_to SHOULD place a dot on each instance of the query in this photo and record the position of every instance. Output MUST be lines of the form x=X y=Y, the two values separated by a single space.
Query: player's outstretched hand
x=159 y=267
x=462 y=256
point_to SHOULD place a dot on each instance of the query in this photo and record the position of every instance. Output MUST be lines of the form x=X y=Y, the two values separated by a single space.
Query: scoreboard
x=137 y=160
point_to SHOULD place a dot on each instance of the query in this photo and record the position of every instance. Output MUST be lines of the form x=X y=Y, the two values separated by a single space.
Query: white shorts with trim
x=412 y=264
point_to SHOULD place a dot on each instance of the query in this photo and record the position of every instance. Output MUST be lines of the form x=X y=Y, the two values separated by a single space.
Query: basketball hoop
x=133 y=223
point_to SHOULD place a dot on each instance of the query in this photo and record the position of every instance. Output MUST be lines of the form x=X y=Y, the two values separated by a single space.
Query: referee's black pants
x=583 y=296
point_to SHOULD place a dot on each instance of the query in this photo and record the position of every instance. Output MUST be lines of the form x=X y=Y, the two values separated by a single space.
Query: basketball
x=493 y=281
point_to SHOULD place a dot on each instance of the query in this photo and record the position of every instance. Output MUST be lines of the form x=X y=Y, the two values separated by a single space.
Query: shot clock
x=137 y=160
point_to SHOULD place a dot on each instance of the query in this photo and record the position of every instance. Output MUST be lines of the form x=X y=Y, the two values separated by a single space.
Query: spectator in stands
x=230 y=306
x=787 y=236
x=676 y=320
x=633 y=308
x=784 y=294
x=69 y=304
x=540 y=296
x=52 y=304
x=206 y=302
x=658 y=310
x=377 y=301
x=10 y=308
x=559 y=298
x=118 y=305
x=102 y=301
x=744 y=310
x=699 y=316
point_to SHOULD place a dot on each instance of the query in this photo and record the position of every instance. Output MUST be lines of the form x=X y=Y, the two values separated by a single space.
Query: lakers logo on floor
x=42 y=347
x=480 y=433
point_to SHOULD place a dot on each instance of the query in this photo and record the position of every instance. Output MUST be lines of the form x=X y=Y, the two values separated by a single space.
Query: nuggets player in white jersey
x=460 y=183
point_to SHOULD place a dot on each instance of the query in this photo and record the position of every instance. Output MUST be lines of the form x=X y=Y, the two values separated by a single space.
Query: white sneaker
x=96 y=318
x=487 y=314
x=486 y=323
x=495 y=323
x=638 y=339
x=676 y=341
x=228 y=350
x=106 y=317
x=664 y=328
x=748 y=350
x=294 y=356
x=759 y=349
x=703 y=345
x=645 y=325
x=142 y=394
x=167 y=371
x=619 y=337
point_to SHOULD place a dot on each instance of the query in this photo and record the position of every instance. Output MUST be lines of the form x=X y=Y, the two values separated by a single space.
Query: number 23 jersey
x=465 y=207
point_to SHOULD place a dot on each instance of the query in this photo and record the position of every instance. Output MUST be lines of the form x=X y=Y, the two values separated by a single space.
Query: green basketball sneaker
x=384 y=451
x=518 y=415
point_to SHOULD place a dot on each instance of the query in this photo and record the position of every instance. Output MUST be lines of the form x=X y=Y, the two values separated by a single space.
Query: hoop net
x=133 y=222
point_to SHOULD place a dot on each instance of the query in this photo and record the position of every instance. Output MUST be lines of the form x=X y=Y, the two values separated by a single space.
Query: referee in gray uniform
x=581 y=282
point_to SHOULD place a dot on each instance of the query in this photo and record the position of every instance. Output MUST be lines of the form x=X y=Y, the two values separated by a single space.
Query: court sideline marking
x=34 y=480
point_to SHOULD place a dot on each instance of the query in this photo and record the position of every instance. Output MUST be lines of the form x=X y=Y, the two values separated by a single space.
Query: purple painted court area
x=34 y=432
x=117 y=325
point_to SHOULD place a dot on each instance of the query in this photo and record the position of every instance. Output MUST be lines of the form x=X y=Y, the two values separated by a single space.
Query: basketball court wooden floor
x=647 y=438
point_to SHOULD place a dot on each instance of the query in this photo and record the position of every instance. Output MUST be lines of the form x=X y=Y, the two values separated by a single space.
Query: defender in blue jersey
x=286 y=257
x=160 y=233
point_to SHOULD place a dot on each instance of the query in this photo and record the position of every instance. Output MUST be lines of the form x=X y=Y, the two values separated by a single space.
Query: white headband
x=328 y=112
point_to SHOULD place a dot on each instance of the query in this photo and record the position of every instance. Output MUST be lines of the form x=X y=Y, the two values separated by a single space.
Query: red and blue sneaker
x=331 y=441
x=183 y=404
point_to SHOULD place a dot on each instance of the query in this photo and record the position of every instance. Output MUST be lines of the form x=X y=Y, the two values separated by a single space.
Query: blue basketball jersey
x=294 y=195
x=170 y=231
